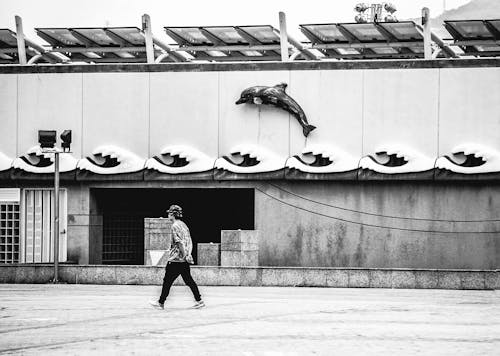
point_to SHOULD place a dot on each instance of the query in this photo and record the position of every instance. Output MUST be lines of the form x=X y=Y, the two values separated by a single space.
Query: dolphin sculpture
x=276 y=96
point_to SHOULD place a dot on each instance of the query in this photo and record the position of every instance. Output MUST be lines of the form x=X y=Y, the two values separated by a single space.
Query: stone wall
x=260 y=276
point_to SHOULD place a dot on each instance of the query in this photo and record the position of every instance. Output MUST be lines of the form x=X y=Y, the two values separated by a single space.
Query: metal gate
x=123 y=239
x=37 y=226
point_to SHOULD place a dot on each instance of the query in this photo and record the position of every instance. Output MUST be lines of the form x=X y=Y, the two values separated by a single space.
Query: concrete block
x=250 y=276
x=380 y=279
x=314 y=277
x=157 y=241
x=157 y=233
x=231 y=236
x=45 y=274
x=96 y=275
x=303 y=277
x=68 y=274
x=492 y=280
x=403 y=279
x=229 y=276
x=472 y=280
x=337 y=278
x=449 y=280
x=426 y=279
x=282 y=277
x=208 y=254
x=7 y=274
x=25 y=274
x=239 y=246
x=206 y=276
x=214 y=276
x=359 y=278
x=156 y=257
x=136 y=275
x=240 y=258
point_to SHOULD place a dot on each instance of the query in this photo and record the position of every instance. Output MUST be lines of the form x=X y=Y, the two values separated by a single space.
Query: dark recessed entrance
x=206 y=212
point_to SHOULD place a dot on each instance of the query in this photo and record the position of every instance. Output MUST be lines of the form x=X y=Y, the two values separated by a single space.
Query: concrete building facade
x=122 y=116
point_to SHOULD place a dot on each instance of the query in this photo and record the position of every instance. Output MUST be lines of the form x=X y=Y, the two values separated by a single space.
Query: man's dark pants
x=172 y=271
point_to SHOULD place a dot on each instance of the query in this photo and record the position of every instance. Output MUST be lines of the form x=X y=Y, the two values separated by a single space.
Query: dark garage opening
x=206 y=212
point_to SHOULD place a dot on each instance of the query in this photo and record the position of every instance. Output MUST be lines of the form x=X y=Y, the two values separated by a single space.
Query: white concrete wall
x=401 y=107
x=116 y=111
x=469 y=107
x=332 y=101
x=49 y=102
x=431 y=110
x=8 y=114
x=184 y=110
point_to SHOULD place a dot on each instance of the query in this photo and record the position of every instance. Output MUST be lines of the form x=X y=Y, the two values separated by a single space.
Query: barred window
x=9 y=232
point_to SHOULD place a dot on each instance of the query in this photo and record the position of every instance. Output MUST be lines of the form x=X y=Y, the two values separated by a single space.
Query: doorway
x=207 y=211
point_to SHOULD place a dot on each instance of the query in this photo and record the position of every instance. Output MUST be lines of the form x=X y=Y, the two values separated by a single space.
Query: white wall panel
x=332 y=101
x=184 y=111
x=469 y=110
x=116 y=111
x=401 y=107
x=49 y=102
x=248 y=123
x=8 y=114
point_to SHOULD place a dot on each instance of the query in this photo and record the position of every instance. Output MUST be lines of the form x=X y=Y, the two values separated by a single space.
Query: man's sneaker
x=199 y=304
x=156 y=304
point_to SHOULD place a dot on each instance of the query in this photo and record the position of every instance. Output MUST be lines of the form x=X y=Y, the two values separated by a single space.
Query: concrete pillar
x=209 y=254
x=157 y=239
x=240 y=248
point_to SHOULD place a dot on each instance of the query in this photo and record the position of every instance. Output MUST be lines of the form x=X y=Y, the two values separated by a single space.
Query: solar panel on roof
x=102 y=45
x=9 y=49
x=364 y=32
x=191 y=35
x=223 y=43
x=476 y=37
x=402 y=31
x=496 y=25
x=7 y=38
x=227 y=34
x=59 y=37
x=96 y=35
x=325 y=33
x=130 y=34
x=474 y=29
x=263 y=34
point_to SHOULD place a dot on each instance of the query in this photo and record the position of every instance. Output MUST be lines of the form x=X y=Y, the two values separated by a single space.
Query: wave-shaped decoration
x=322 y=158
x=248 y=158
x=110 y=159
x=395 y=159
x=5 y=162
x=471 y=158
x=35 y=161
x=180 y=159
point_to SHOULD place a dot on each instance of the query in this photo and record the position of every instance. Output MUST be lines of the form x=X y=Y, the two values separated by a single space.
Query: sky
x=102 y=13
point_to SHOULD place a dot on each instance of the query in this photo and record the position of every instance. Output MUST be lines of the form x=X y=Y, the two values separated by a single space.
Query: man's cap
x=175 y=209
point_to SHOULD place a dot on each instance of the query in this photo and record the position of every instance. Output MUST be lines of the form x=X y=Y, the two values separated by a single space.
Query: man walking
x=179 y=260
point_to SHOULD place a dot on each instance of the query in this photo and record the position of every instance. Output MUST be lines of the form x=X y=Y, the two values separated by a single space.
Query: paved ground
x=108 y=320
